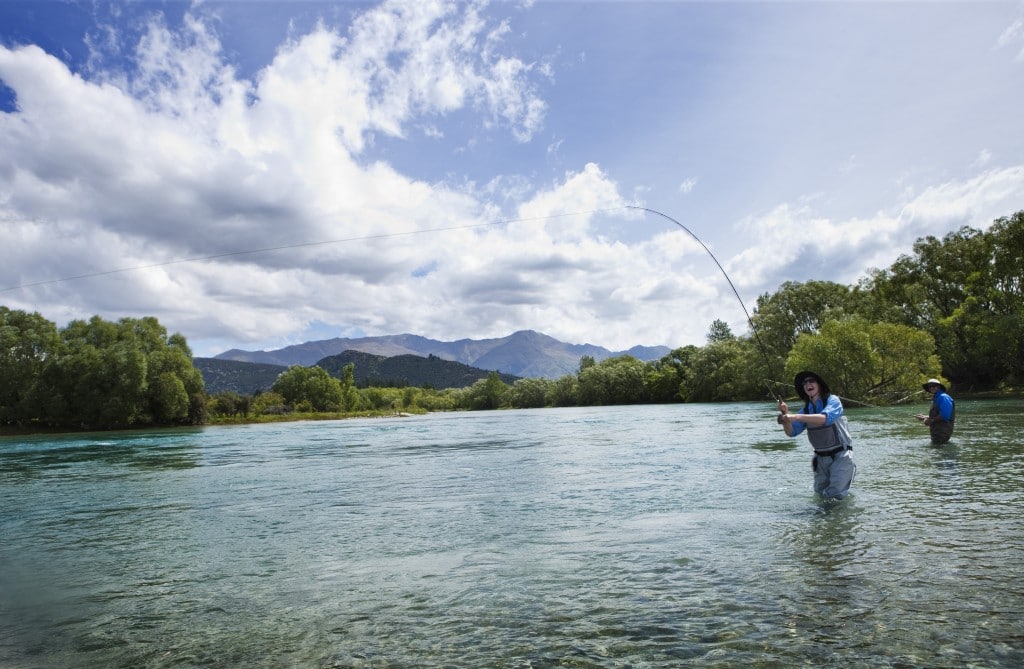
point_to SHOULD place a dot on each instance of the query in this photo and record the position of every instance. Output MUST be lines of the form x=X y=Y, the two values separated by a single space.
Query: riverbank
x=32 y=430
x=29 y=430
x=311 y=416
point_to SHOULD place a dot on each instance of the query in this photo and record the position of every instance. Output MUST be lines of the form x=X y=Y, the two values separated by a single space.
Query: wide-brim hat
x=798 y=381
x=934 y=382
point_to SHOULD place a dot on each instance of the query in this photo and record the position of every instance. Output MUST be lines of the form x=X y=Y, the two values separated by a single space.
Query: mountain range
x=248 y=378
x=524 y=354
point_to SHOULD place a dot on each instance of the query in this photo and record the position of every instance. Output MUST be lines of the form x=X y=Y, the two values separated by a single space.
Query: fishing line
x=913 y=394
x=850 y=399
x=298 y=245
x=750 y=321
x=229 y=254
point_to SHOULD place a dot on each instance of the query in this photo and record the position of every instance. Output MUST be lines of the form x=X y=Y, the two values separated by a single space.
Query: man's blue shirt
x=944 y=403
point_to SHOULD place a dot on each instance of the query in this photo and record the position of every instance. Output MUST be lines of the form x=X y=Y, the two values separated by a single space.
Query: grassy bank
x=30 y=430
x=296 y=416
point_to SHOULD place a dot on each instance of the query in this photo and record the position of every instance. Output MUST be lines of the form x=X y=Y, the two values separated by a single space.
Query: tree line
x=96 y=373
x=952 y=309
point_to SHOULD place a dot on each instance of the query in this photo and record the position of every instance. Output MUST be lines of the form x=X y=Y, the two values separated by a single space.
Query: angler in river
x=941 y=415
x=822 y=415
x=828 y=433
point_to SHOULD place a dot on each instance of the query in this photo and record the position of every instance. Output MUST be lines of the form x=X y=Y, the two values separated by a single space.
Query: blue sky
x=466 y=170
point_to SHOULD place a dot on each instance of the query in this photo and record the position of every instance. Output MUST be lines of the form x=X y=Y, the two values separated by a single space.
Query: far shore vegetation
x=951 y=309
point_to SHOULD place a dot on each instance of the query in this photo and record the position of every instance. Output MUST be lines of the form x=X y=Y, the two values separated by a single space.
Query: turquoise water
x=681 y=535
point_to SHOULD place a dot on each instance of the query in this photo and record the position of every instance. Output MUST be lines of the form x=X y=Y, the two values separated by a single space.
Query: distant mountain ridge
x=524 y=354
x=407 y=370
x=248 y=378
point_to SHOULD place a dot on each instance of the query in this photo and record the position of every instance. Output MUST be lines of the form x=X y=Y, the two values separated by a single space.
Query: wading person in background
x=822 y=417
x=941 y=415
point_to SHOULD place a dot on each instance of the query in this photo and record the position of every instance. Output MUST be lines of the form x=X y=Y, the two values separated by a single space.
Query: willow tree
x=874 y=363
x=310 y=388
x=965 y=289
x=27 y=342
x=797 y=308
x=618 y=380
x=103 y=374
x=487 y=393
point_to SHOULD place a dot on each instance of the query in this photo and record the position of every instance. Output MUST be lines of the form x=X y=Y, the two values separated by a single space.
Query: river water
x=650 y=536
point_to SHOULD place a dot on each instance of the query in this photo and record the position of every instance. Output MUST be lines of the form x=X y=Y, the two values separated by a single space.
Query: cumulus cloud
x=797 y=242
x=1012 y=37
x=252 y=209
x=178 y=159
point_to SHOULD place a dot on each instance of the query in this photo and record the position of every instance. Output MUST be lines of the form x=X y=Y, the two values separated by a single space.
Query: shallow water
x=682 y=535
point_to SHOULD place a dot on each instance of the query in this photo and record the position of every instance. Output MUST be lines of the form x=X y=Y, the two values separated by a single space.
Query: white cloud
x=796 y=242
x=556 y=212
x=176 y=153
x=1013 y=35
x=848 y=165
x=983 y=159
x=976 y=201
x=333 y=139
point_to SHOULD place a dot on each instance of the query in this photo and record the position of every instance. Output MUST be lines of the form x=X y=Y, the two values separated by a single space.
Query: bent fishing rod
x=735 y=292
x=750 y=321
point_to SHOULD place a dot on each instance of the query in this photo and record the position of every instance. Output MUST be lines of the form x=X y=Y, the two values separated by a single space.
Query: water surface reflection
x=611 y=537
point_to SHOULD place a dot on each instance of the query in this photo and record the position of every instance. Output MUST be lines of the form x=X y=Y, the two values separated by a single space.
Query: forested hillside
x=401 y=371
x=246 y=378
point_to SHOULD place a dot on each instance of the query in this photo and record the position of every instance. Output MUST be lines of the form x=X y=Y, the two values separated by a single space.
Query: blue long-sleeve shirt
x=944 y=403
x=832 y=408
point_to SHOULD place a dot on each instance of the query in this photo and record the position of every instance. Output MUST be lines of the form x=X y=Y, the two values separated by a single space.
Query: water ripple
x=609 y=537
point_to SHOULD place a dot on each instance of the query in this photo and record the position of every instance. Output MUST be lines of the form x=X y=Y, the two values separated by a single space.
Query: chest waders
x=829 y=440
x=940 y=428
x=833 y=463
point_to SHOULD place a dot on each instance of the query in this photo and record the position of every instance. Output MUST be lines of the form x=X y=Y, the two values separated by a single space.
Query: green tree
x=711 y=373
x=488 y=393
x=1007 y=290
x=619 y=380
x=529 y=393
x=376 y=397
x=107 y=374
x=751 y=377
x=350 y=398
x=175 y=378
x=100 y=378
x=264 y=403
x=665 y=377
x=168 y=399
x=563 y=392
x=309 y=388
x=434 y=400
x=965 y=290
x=27 y=342
x=905 y=359
x=866 y=362
x=230 y=403
x=719 y=331
x=795 y=309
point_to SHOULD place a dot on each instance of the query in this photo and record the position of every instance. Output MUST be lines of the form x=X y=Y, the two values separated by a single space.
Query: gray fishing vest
x=830 y=437
x=824 y=439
